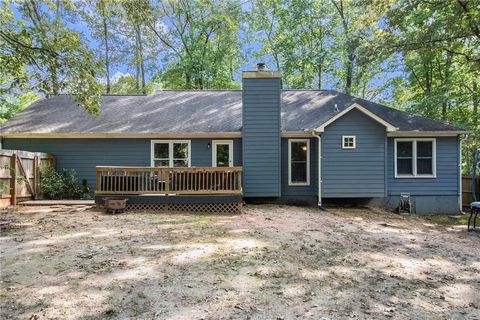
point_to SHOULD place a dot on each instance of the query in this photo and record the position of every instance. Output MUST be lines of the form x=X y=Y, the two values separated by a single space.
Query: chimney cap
x=261 y=72
x=261 y=66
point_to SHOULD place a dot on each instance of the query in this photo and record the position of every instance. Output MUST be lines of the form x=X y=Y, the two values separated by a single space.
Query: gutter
x=460 y=191
x=319 y=170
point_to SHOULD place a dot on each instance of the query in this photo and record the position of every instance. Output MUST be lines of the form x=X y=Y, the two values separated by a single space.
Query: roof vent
x=261 y=66
x=335 y=108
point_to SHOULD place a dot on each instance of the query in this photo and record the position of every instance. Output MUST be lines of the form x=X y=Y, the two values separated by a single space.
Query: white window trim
x=214 y=151
x=170 y=151
x=414 y=158
x=290 y=183
x=354 y=142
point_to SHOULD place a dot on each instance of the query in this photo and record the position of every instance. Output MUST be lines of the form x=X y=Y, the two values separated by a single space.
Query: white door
x=222 y=153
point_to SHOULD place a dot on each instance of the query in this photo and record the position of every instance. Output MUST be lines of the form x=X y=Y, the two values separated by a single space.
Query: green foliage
x=39 y=53
x=438 y=42
x=314 y=42
x=62 y=185
x=11 y=104
x=4 y=187
x=202 y=39
x=127 y=84
x=418 y=56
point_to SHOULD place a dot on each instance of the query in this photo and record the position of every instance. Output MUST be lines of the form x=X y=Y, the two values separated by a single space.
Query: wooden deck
x=168 y=181
x=200 y=190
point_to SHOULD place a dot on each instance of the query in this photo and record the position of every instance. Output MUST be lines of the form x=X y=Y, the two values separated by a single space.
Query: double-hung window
x=298 y=162
x=174 y=153
x=415 y=158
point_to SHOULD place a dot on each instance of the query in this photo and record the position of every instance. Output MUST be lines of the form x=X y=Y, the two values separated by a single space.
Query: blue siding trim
x=354 y=173
x=83 y=155
x=447 y=180
x=261 y=137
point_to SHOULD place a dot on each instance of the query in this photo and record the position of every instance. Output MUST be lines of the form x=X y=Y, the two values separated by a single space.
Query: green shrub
x=62 y=185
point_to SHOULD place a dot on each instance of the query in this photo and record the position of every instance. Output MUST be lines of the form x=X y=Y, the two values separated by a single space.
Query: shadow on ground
x=272 y=262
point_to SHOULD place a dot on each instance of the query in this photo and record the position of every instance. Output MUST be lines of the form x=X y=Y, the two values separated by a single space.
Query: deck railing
x=168 y=181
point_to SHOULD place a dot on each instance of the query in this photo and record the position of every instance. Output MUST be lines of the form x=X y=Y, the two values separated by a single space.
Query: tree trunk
x=140 y=56
x=476 y=99
x=446 y=85
x=188 y=79
x=349 y=73
x=107 y=58
x=137 y=65
x=53 y=65
x=320 y=74
x=444 y=110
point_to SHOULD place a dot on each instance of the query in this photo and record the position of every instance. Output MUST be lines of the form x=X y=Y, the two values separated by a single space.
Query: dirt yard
x=274 y=262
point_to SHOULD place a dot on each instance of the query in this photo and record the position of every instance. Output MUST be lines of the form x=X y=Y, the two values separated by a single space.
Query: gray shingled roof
x=197 y=112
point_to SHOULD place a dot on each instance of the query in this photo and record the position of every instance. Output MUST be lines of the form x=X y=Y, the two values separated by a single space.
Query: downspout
x=460 y=191
x=319 y=170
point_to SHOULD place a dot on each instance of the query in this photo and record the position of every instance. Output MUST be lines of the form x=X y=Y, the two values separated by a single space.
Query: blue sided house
x=184 y=147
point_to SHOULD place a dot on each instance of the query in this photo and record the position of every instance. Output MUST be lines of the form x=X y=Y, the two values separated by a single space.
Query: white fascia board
x=387 y=125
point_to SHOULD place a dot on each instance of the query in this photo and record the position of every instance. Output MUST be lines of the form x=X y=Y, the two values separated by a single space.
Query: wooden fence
x=181 y=181
x=20 y=175
x=467 y=190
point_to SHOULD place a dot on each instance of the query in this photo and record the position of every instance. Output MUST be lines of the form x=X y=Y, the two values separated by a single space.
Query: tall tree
x=135 y=17
x=296 y=36
x=102 y=18
x=438 y=42
x=41 y=54
x=321 y=43
x=202 y=39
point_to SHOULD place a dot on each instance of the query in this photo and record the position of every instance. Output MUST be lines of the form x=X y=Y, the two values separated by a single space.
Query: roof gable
x=389 y=127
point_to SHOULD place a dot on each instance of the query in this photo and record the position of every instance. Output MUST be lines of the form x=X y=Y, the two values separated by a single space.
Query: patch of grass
x=447 y=220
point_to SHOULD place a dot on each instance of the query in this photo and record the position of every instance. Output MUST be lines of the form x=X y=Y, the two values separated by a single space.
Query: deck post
x=167 y=181
x=98 y=181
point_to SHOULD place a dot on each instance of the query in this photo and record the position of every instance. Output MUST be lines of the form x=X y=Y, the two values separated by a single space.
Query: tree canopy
x=420 y=56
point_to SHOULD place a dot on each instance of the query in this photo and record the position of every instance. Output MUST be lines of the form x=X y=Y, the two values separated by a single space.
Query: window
x=348 y=142
x=415 y=158
x=222 y=153
x=170 y=153
x=299 y=162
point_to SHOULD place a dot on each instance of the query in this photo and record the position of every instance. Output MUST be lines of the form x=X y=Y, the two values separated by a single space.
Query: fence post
x=36 y=177
x=13 y=179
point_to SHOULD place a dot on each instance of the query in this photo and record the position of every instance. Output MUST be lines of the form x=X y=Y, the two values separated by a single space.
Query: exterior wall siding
x=261 y=137
x=83 y=155
x=429 y=195
x=354 y=173
x=446 y=182
x=367 y=171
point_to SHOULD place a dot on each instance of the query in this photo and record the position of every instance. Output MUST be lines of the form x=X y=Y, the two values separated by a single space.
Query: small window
x=170 y=153
x=348 y=142
x=415 y=158
x=299 y=162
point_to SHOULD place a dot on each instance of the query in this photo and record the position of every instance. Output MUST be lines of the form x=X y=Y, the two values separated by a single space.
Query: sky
x=249 y=49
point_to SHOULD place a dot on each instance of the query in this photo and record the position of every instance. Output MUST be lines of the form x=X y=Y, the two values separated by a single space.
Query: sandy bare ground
x=274 y=262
